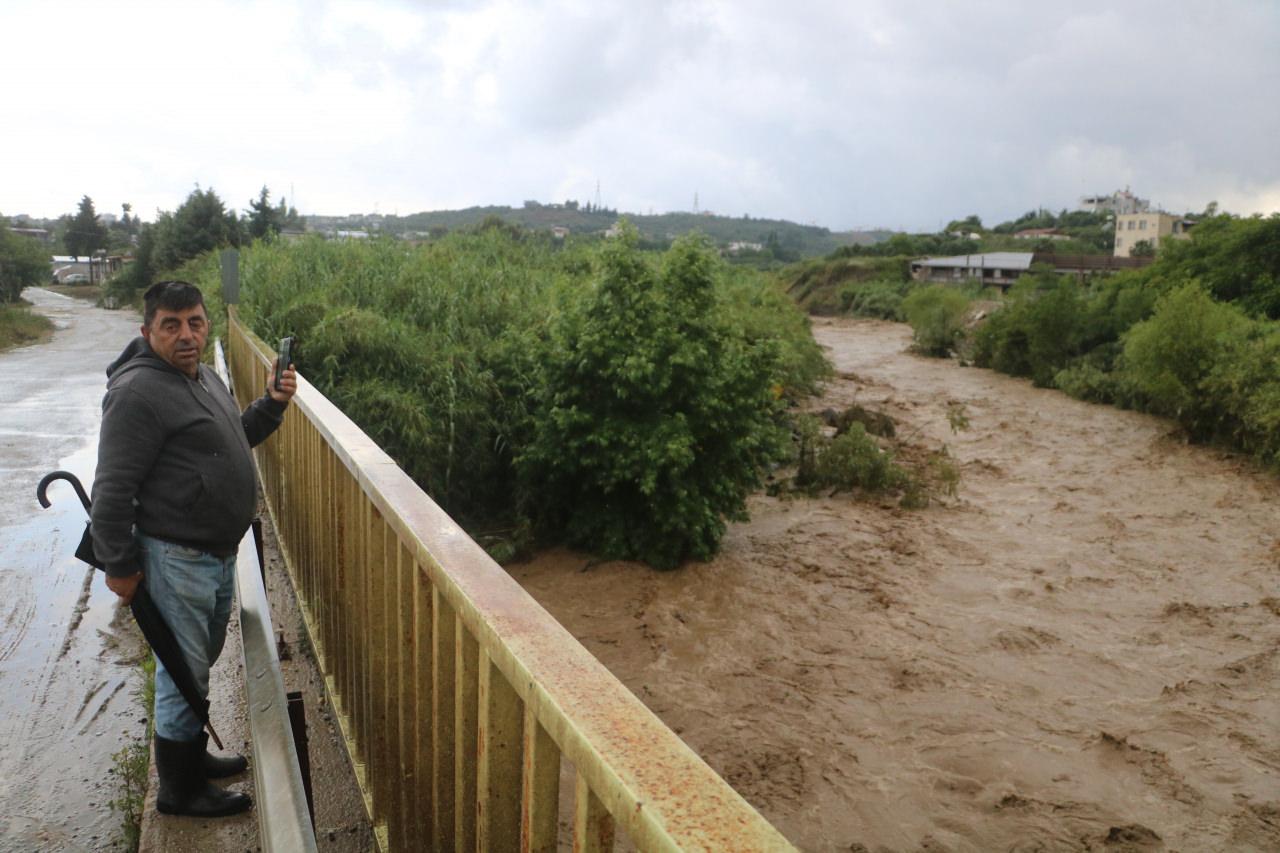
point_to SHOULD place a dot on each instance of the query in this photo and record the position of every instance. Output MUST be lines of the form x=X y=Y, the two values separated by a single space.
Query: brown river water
x=1081 y=652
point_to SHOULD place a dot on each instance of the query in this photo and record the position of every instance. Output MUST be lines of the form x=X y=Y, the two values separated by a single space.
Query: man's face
x=179 y=336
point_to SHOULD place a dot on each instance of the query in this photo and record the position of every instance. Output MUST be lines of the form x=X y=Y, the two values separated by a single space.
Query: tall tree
x=288 y=216
x=200 y=224
x=264 y=220
x=85 y=233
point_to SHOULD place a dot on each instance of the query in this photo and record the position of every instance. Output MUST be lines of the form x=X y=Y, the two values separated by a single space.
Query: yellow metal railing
x=458 y=695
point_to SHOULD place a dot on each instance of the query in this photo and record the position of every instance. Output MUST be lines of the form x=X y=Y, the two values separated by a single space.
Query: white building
x=1120 y=201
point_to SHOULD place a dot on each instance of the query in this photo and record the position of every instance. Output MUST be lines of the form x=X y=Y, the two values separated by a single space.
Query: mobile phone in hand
x=285 y=357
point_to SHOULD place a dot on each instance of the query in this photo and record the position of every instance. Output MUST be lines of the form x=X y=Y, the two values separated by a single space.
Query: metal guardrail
x=458 y=695
x=284 y=820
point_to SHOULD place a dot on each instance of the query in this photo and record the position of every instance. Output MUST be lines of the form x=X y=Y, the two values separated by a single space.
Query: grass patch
x=87 y=292
x=20 y=327
x=866 y=457
x=132 y=763
x=870 y=287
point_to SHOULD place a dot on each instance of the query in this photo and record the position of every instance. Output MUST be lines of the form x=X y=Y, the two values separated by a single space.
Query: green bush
x=1168 y=357
x=855 y=460
x=1038 y=331
x=936 y=315
x=23 y=262
x=1087 y=382
x=1245 y=386
x=851 y=460
x=756 y=305
x=453 y=356
x=1236 y=259
x=655 y=415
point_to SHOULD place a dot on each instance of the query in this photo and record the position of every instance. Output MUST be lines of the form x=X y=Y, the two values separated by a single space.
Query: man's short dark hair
x=171 y=296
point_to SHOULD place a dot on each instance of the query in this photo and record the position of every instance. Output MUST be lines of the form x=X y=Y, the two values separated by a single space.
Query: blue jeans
x=192 y=590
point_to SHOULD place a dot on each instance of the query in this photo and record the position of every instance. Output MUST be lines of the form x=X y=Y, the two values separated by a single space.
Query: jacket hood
x=137 y=354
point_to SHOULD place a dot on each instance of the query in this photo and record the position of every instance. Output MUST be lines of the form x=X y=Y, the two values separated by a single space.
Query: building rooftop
x=997 y=260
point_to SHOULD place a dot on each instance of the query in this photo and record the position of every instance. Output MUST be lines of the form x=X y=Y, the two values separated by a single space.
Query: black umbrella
x=145 y=612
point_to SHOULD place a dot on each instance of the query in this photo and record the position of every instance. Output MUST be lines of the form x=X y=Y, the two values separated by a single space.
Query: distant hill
x=783 y=237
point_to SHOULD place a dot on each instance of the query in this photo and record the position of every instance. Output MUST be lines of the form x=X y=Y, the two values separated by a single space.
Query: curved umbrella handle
x=60 y=475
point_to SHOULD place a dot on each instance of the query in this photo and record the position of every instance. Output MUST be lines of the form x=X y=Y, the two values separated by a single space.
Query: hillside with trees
x=778 y=239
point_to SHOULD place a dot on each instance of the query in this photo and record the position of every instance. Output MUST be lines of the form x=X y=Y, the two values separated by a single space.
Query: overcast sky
x=845 y=114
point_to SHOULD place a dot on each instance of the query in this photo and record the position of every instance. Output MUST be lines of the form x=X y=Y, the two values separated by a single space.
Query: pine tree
x=85 y=233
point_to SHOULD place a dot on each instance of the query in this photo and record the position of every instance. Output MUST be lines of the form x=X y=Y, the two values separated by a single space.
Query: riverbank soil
x=1080 y=652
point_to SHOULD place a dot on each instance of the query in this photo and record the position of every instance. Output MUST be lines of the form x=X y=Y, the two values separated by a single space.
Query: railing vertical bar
x=357 y=694
x=315 y=510
x=592 y=825
x=389 y=687
x=406 y=696
x=369 y=659
x=311 y=520
x=326 y=608
x=467 y=681
x=421 y=744
x=343 y=579
x=444 y=639
x=499 y=756
x=540 y=788
x=375 y=689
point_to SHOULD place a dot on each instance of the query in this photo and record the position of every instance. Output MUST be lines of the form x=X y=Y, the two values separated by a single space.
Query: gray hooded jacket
x=173 y=459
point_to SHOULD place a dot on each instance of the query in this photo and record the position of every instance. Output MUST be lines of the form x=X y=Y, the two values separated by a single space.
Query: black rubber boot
x=184 y=790
x=219 y=767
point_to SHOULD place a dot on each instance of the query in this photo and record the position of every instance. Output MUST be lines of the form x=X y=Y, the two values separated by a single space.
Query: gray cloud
x=844 y=113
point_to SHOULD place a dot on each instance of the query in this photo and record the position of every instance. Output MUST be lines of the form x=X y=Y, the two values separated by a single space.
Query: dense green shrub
x=656 y=416
x=1237 y=260
x=454 y=355
x=756 y=305
x=854 y=460
x=23 y=262
x=1040 y=328
x=1169 y=356
x=936 y=315
x=851 y=459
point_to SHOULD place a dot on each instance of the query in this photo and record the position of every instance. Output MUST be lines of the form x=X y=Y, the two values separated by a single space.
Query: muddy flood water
x=68 y=654
x=1081 y=652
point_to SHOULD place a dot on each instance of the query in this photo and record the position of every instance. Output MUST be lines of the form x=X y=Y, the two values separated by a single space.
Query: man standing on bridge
x=173 y=495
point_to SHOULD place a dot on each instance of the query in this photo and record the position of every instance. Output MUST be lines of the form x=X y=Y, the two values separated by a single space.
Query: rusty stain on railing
x=458 y=695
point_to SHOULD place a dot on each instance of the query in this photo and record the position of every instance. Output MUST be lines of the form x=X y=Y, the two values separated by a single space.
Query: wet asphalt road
x=66 y=687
